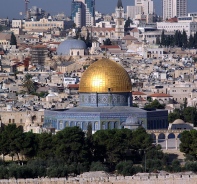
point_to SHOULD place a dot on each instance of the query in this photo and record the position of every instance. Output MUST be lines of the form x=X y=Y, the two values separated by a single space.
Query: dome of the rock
x=103 y=76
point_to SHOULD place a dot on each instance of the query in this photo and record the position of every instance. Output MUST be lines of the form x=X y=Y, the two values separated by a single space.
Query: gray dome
x=70 y=43
x=132 y=120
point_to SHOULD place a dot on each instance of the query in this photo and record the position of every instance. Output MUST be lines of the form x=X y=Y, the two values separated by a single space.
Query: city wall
x=143 y=179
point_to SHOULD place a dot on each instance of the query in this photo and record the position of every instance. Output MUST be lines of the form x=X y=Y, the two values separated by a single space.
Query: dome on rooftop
x=105 y=75
x=68 y=44
x=178 y=121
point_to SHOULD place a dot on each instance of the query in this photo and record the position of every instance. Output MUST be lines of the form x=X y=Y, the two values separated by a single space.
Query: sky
x=12 y=8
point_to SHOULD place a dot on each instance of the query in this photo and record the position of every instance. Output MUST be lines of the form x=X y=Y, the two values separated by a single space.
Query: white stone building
x=172 y=8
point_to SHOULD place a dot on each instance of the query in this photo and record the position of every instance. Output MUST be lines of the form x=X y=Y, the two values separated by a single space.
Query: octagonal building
x=105 y=93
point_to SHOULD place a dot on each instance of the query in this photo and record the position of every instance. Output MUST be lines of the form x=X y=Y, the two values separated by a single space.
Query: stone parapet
x=136 y=179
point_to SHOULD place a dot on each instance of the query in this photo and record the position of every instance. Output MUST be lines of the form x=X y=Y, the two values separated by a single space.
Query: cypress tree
x=184 y=39
x=163 y=38
x=13 y=39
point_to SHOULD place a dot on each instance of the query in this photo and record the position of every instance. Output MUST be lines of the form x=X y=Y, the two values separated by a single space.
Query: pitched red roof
x=73 y=86
x=129 y=37
x=174 y=19
x=160 y=95
x=109 y=46
x=138 y=93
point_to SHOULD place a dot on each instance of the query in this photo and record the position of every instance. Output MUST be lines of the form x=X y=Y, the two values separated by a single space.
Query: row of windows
x=4 y=43
x=41 y=25
x=157 y=124
x=102 y=34
x=13 y=120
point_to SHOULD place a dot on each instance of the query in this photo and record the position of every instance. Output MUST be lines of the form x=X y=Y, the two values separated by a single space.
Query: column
x=166 y=143
x=157 y=139
x=176 y=141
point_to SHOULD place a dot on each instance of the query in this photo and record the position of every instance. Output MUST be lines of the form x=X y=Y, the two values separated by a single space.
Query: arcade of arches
x=168 y=139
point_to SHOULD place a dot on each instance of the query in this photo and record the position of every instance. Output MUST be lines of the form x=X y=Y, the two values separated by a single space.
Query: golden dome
x=103 y=75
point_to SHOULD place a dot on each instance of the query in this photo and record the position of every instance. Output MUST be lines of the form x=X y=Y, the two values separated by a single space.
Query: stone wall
x=137 y=179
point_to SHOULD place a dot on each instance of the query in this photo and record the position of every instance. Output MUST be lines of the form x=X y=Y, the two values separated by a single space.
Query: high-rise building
x=138 y=2
x=83 y=12
x=145 y=7
x=174 y=8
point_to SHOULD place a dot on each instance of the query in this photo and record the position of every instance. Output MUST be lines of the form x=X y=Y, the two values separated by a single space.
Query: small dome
x=51 y=95
x=132 y=120
x=178 y=121
x=70 y=43
x=105 y=75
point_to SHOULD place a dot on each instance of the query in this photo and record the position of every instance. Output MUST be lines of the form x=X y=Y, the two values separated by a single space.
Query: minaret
x=119 y=30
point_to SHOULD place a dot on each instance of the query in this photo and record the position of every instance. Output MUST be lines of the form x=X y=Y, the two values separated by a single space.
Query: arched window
x=79 y=124
x=96 y=126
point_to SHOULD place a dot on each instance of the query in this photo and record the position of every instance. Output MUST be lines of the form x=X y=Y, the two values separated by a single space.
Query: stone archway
x=116 y=125
x=162 y=140
x=154 y=138
x=171 y=140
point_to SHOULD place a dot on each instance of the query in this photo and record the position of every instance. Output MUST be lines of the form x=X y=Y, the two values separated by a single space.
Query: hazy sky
x=11 y=8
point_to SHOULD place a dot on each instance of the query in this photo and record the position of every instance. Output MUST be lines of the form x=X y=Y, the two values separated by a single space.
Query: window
x=79 y=124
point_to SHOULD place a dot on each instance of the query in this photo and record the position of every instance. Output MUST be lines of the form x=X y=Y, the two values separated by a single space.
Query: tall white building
x=132 y=11
x=138 y=2
x=172 y=8
x=145 y=7
x=148 y=7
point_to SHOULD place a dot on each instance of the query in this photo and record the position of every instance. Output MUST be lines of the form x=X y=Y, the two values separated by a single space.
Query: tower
x=26 y=9
x=119 y=29
x=172 y=8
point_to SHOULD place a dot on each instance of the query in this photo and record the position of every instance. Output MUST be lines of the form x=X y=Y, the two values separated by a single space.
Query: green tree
x=98 y=166
x=107 y=42
x=29 y=145
x=70 y=145
x=13 y=39
x=155 y=104
x=128 y=22
x=176 y=165
x=125 y=168
x=189 y=143
x=163 y=38
x=111 y=145
x=190 y=115
x=11 y=140
x=191 y=41
x=184 y=39
x=29 y=84
x=45 y=145
x=172 y=116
